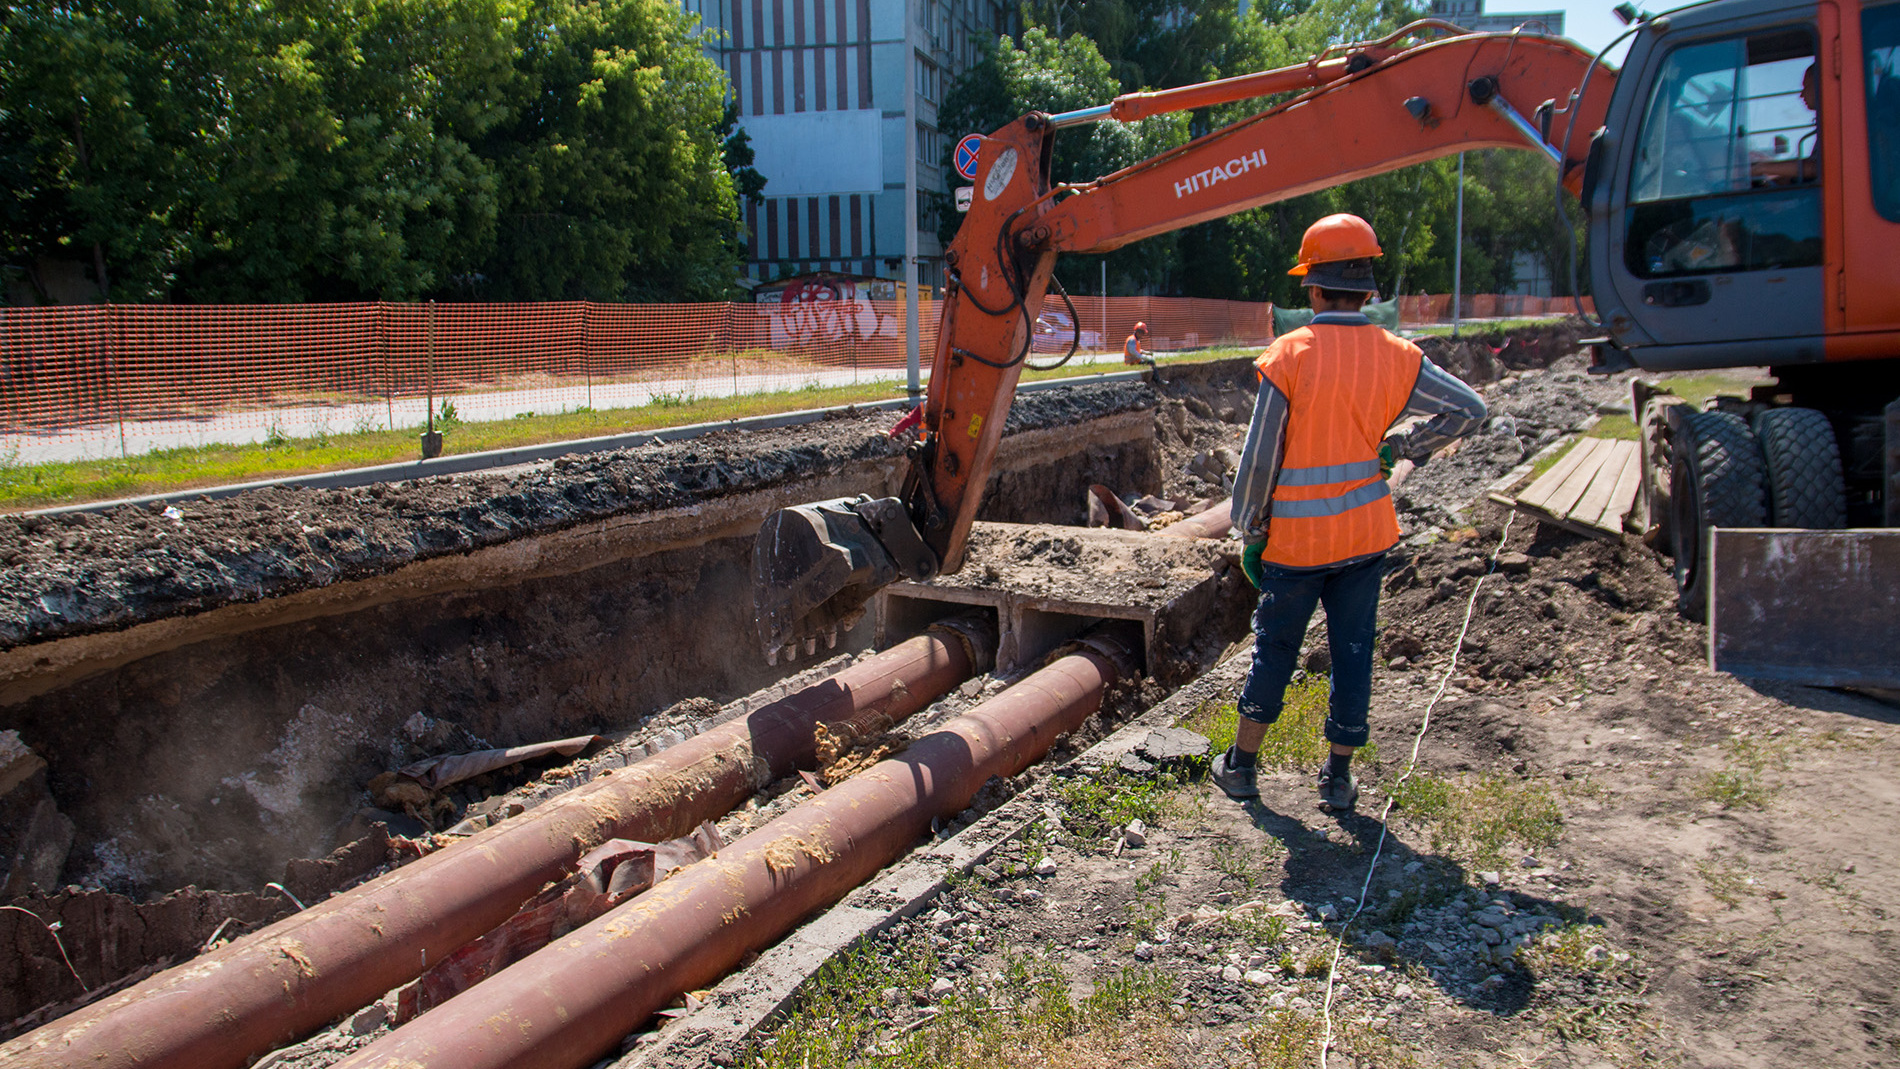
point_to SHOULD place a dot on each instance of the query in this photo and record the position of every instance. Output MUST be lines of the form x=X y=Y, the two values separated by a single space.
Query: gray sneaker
x=1237 y=782
x=1337 y=792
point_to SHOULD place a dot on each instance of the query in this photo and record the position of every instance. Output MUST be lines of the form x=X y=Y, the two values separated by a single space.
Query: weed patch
x=855 y=1011
x=1741 y=785
x=1295 y=741
x=1479 y=819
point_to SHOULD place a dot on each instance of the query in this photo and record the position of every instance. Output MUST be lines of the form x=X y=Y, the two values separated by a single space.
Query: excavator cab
x=1713 y=156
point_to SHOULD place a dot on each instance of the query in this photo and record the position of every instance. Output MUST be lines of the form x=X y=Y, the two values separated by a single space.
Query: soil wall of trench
x=211 y=694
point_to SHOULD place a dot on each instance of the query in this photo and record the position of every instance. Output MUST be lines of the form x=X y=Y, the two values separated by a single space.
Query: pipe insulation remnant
x=225 y=1009
x=574 y=1001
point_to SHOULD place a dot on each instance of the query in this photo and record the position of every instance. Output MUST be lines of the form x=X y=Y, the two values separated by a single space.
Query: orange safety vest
x=1345 y=386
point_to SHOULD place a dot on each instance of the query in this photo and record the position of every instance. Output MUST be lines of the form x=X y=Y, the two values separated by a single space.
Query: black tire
x=1716 y=480
x=1802 y=468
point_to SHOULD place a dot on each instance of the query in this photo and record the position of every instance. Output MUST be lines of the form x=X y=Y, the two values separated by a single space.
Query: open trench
x=210 y=705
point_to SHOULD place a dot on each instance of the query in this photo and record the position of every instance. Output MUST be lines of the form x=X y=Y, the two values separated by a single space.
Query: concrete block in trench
x=1045 y=583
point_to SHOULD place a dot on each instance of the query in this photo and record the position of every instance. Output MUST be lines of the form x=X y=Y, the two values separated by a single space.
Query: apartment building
x=1471 y=15
x=840 y=99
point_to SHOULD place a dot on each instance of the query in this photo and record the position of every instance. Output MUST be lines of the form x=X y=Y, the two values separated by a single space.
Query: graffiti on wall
x=823 y=309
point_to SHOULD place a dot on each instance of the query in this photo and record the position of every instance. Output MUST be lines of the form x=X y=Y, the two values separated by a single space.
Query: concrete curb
x=465 y=463
x=746 y=1001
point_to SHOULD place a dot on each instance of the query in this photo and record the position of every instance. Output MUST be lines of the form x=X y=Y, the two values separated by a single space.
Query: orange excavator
x=1740 y=178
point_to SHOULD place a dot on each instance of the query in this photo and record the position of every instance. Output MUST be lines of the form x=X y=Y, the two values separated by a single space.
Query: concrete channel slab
x=1045 y=584
x=749 y=1000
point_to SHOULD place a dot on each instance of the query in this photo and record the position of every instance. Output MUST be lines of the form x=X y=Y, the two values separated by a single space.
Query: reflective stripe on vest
x=1329 y=473
x=1332 y=506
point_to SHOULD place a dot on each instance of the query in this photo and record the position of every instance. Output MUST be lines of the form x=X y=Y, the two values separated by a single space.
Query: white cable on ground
x=1359 y=906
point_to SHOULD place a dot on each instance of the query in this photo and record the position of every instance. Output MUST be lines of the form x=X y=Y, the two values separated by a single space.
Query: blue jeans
x=1350 y=593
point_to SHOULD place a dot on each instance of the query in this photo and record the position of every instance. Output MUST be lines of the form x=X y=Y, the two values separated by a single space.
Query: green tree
x=101 y=108
x=348 y=171
x=613 y=179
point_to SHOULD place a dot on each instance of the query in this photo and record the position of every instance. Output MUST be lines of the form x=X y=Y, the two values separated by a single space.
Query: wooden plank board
x=1623 y=497
x=1596 y=500
x=1565 y=497
x=1589 y=491
x=1549 y=481
x=1814 y=607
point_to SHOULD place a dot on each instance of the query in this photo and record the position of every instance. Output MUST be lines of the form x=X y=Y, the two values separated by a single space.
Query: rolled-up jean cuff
x=1256 y=713
x=1354 y=735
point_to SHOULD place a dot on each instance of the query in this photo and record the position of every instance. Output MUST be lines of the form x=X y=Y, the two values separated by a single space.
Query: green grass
x=1742 y=783
x=27 y=486
x=1095 y=805
x=849 y=1016
x=1478 y=819
x=1295 y=741
x=1489 y=326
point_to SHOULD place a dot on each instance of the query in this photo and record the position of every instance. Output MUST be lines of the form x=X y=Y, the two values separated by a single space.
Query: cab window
x=1880 y=34
x=1727 y=163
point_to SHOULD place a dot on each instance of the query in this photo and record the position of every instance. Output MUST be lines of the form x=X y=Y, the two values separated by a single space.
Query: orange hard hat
x=1337 y=237
x=1141 y=328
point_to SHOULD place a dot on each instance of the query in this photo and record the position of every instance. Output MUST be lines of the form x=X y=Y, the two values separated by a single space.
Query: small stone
x=1491 y=919
x=1301 y=1004
x=1327 y=911
x=1029 y=898
x=1231 y=974
x=1491 y=936
x=1847 y=867
x=1256 y=961
x=1397 y=664
x=1144 y=951
x=1513 y=563
x=1382 y=944
x=369 y=1019
x=1257 y=977
x=1596 y=952
x=1046 y=867
x=1404 y=991
x=941 y=986
x=1167 y=746
x=1223 y=898
x=1135 y=834
x=1490 y=879
x=1277 y=1000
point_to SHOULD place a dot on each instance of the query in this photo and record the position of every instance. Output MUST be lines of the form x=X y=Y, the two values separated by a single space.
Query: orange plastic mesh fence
x=91 y=380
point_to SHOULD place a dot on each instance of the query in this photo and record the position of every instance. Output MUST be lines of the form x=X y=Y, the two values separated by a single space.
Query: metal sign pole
x=1458 y=254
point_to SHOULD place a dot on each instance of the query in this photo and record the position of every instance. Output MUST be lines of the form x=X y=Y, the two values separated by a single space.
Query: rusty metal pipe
x=226 y=1008
x=1213 y=521
x=574 y=1001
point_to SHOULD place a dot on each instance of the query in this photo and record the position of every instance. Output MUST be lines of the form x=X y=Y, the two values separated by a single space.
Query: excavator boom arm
x=1361 y=110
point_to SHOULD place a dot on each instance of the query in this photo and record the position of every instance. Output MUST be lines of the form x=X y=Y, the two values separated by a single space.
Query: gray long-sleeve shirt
x=1455 y=410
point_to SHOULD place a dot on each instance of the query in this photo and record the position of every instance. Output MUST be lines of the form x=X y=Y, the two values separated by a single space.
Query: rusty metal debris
x=438 y=772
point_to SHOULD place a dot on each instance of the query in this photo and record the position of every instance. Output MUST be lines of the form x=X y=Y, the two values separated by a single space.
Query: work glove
x=1250 y=562
x=1388 y=456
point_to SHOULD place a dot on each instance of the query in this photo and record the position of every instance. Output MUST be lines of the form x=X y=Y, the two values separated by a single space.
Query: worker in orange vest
x=1135 y=349
x=1310 y=499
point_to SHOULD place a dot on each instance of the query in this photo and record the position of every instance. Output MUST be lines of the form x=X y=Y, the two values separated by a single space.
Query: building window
x=929 y=80
x=929 y=146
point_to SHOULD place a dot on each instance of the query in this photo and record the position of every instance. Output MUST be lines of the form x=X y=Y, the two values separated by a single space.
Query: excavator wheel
x=1803 y=469
x=1716 y=480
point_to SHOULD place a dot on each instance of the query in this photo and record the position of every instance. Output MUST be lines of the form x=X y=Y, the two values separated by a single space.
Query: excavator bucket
x=815 y=566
